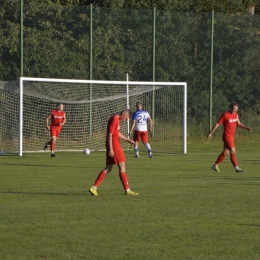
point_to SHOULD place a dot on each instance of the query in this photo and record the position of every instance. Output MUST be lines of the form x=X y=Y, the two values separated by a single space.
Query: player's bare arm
x=110 y=143
x=239 y=124
x=132 y=127
x=126 y=139
x=213 y=130
x=47 y=121
x=150 y=124
x=64 y=120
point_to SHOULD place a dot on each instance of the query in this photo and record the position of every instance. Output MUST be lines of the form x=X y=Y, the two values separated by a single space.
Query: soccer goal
x=88 y=104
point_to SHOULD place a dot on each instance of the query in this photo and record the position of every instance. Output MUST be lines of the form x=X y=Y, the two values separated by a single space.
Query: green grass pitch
x=184 y=210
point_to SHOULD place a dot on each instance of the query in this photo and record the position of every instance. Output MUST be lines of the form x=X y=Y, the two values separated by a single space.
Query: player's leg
x=233 y=159
x=124 y=179
x=122 y=175
x=220 y=158
x=136 y=140
x=102 y=175
x=136 y=148
x=50 y=141
x=110 y=161
x=119 y=159
x=46 y=145
x=144 y=138
x=53 y=141
x=55 y=132
x=100 y=178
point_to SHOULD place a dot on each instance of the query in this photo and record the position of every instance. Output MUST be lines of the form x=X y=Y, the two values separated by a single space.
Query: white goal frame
x=126 y=83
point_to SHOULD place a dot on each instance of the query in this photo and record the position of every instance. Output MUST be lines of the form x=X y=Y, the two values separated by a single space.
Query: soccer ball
x=86 y=151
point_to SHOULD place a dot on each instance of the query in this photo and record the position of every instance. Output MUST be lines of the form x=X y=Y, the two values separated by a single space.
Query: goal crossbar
x=102 y=82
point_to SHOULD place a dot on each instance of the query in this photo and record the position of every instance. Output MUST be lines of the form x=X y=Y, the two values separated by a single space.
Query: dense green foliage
x=231 y=6
x=184 y=210
x=56 y=43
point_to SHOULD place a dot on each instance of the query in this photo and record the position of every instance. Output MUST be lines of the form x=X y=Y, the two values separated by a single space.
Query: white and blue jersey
x=141 y=117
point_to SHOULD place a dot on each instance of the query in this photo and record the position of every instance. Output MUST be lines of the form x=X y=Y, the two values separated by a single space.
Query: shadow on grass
x=9 y=155
x=250 y=225
x=252 y=160
x=28 y=165
x=51 y=166
x=42 y=193
x=84 y=192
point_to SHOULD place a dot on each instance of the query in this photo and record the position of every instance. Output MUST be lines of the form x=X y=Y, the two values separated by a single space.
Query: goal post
x=89 y=103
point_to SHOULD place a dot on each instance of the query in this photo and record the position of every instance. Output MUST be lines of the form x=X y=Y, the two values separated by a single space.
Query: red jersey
x=57 y=117
x=113 y=127
x=229 y=122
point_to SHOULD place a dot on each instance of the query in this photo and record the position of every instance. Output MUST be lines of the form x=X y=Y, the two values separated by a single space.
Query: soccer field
x=184 y=210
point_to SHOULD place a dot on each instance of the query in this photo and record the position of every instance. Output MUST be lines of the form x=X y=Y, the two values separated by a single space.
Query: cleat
x=240 y=170
x=93 y=191
x=53 y=155
x=150 y=153
x=137 y=156
x=129 y=192
x=45 y=146
x=215 y=168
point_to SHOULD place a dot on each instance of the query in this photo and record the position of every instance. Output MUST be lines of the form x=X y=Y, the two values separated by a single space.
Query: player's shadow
x=251 y=160
x=28 y=165
x=257 y=179
x=9 y=155
x=250 y=225
x=41 y=193
x=45 y=165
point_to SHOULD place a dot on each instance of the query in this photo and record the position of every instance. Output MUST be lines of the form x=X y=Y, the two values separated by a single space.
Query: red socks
x=233 y=159
x=100 y=178
x=52 y=146
x=220 y=158
x=124 y=180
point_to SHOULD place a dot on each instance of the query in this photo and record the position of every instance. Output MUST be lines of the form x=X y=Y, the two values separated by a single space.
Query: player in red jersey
x=230 y=121
x=114 y=152
x=58 y=119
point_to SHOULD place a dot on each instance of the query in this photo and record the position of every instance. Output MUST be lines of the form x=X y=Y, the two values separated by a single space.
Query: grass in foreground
x=184 y=210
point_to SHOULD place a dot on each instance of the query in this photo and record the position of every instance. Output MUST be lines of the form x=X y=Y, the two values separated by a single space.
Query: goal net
x=88 y=104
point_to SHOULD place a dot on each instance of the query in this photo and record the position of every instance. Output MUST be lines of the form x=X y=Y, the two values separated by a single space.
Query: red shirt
x=57 y=117
x=113 y=127
x=229 y=122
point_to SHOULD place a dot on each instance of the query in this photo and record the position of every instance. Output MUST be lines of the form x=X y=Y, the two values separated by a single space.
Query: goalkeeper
x=139 y=122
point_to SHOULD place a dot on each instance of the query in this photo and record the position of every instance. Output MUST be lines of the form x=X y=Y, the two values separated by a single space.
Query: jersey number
x=140 y=119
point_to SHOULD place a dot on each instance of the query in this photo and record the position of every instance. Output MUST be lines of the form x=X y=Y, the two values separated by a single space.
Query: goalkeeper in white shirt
x=139 y=125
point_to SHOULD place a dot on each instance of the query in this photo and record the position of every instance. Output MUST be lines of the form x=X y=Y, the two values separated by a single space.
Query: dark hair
x=233 y=104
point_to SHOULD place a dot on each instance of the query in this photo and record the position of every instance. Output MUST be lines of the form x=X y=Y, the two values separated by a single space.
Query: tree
x=56 y=44
x=230 y=6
